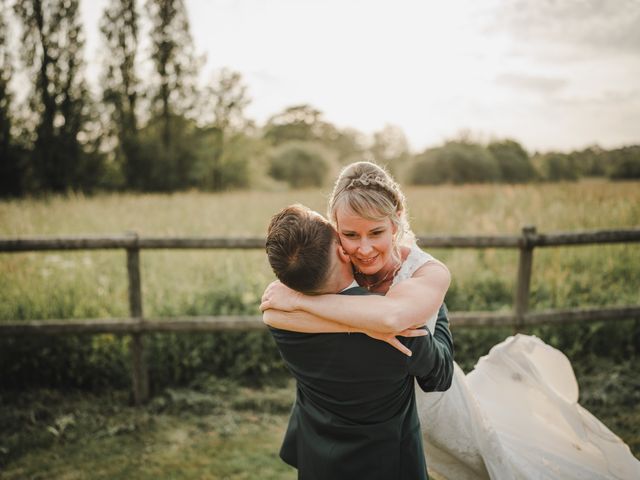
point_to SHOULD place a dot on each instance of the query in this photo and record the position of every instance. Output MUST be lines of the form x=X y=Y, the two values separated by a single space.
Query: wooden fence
x=137 y=324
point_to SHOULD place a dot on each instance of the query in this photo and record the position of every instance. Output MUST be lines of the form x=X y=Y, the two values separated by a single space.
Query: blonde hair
x=370 y=192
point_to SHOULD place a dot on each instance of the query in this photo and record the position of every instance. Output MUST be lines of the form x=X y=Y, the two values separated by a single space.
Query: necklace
x=390 y=273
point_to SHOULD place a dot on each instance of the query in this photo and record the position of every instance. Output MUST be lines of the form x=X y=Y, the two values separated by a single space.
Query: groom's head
x=304 y=251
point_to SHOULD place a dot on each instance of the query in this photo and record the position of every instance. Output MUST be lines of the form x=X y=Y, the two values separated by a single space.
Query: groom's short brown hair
x=299 y=243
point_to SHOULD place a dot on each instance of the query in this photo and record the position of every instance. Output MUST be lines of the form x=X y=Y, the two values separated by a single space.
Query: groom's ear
x=342 y=254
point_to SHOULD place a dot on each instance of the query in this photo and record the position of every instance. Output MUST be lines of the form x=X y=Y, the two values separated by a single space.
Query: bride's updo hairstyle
x=367 y=190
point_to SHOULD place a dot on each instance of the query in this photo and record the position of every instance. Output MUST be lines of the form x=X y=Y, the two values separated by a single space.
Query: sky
x=553 y=75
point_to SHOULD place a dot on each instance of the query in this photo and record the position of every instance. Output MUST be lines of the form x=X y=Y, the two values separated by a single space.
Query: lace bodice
x=416 y=258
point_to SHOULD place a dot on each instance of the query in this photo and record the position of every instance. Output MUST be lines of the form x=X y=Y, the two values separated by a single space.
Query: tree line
x=159 y=129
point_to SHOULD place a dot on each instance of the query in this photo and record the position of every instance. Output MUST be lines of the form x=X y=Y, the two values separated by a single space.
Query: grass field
x=93 y=284
x=195 y=431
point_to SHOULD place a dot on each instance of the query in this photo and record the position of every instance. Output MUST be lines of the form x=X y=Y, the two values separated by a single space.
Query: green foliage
x=391 y=149
x=176 y=66
x=121 y=87
x=163 y=133
x=484 y=291
x=12 y=163
x=590 y=162
x=556 y=166
x=624 y=163
x=222 y=167
x=213 y=425
x=61 y=106
x=304 y=123
x=300 y=164
x=94 y=285
x=513 y=161
x=298 y=123
x=100 y=361
x=455 y=162
x=166 y=167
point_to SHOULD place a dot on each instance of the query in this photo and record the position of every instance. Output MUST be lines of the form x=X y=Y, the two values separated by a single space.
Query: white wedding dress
x=515 y=416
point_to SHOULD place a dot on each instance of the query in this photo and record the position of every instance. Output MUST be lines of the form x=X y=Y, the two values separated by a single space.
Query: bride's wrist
x=300 y=301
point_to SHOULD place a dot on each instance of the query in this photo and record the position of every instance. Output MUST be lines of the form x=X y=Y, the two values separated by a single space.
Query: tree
x=455 y=162
x=53 y=43
x=119 y=28
x=624 y=163
x=11 y=172
x=300 y=164
x=590 y=162
x=390 y=148
x=513 y=161
x=350 y=145
x=220 y=165
x=174 y=61
x=556 y=166
x=173 y=96
x=299 y=122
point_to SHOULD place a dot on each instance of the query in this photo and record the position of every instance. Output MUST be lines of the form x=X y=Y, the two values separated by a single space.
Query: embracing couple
x=358 y=316
x=355 y=412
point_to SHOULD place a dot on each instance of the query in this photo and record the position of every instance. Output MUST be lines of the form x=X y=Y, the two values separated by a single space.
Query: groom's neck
x=341 y=279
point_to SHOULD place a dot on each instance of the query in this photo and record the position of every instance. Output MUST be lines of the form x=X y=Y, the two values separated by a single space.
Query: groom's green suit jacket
x=355 y=415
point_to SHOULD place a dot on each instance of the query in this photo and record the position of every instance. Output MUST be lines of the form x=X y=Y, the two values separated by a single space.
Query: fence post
x=524 y=276
x=139 y=372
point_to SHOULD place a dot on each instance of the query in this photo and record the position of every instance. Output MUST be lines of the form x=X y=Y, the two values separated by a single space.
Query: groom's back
x=355 y=414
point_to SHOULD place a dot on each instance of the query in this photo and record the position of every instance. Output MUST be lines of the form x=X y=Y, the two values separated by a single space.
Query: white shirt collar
x=353 y=284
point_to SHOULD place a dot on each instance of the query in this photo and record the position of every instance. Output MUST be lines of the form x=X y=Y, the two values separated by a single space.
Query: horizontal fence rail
x=254 y=322
x=37 y=243
x=137 y=325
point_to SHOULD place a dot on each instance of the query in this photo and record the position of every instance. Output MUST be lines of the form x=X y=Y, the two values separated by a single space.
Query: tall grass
x=43 y=285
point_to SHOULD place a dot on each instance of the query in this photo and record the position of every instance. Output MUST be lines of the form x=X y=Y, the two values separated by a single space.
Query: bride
x=516 y=415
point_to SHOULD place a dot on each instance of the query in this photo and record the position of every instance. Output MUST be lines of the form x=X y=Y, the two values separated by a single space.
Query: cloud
x=533 y=83
x=620 y=100
x=598 y=25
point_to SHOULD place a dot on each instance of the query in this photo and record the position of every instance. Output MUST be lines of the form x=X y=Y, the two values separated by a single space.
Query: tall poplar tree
x=10 y=181
x=119 y=27
x=52 y=51
x=229 y=97
x=174 y=60
x=173 y=96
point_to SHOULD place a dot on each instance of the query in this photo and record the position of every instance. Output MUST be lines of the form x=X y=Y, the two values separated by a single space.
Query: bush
x=513 y=161
x=300 y=164
x=624 y=163
x=455 y=162
x=103 y=361
x=556 y=166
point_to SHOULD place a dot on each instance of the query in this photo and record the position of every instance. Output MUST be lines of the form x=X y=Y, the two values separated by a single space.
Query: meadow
x=81 y=376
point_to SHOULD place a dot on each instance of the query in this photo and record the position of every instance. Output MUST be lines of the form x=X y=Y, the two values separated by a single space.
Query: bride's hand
x=391 y=339
x=279 y=297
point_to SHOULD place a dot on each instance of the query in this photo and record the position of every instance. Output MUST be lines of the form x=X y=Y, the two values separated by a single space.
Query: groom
x=355 y=410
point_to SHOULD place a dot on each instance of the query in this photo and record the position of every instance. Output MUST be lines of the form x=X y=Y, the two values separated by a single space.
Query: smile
x=368 y=261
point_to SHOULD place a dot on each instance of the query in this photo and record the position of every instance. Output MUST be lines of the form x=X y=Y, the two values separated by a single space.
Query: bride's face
x=369 y=243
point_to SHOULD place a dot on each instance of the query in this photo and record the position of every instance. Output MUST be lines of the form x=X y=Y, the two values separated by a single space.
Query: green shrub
x=455 y=162
x=624 y=163
x=300 y=164
x=556 y=166
x=513 y=161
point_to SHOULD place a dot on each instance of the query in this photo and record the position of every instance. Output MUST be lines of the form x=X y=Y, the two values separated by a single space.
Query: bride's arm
x=303 y=322
x=299 y=321
x=406 y=305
